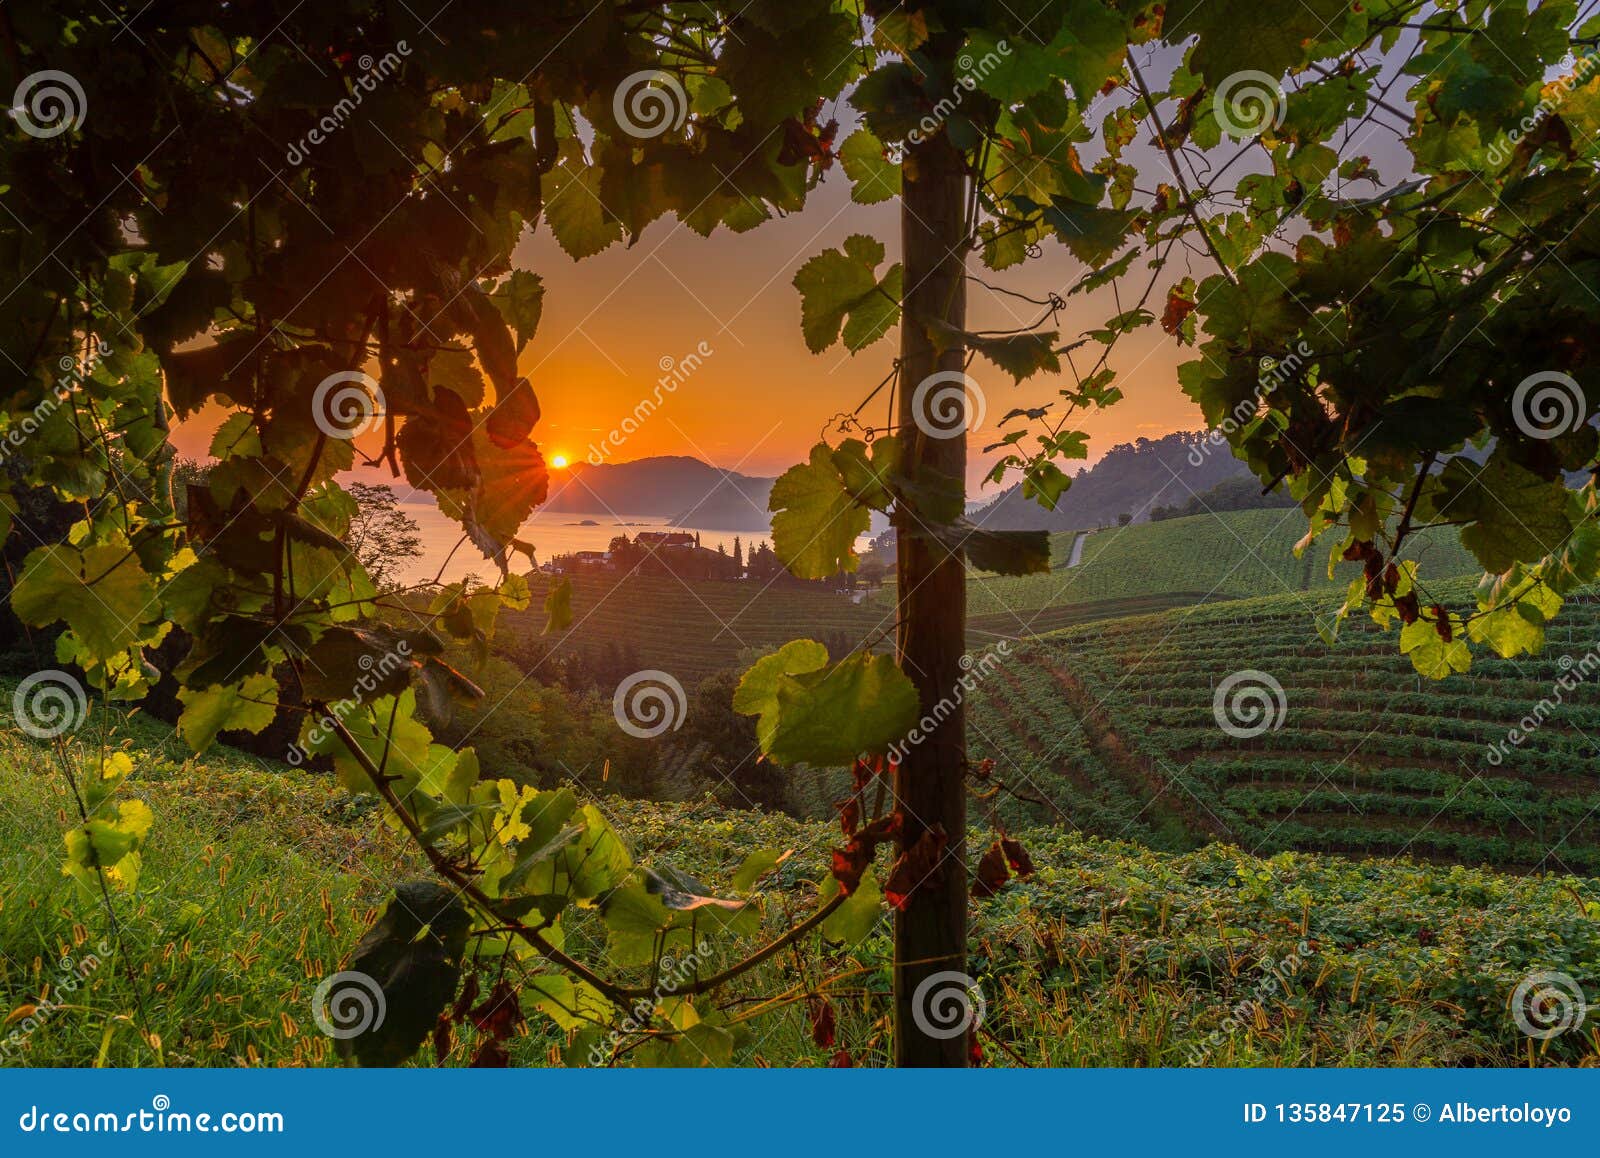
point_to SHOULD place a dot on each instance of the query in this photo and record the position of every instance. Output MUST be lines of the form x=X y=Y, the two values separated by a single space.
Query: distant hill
x=1133 y=478
x=677 y=488
x=1241 y=493
x=738 y=504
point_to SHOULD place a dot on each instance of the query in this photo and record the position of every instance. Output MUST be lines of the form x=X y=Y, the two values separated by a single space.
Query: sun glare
x=559 y=461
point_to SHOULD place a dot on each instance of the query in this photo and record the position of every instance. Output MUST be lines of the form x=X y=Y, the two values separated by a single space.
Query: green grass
x=256 y=881
x=259 y=879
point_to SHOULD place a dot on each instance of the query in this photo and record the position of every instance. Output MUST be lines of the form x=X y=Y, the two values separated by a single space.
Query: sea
x=551 y=534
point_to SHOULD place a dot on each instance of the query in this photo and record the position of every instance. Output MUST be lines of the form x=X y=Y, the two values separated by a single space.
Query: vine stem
x=1177 y=172
x=620 y=995
x=441 y=864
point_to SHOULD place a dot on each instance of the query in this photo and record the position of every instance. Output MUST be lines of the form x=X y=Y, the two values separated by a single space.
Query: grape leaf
x=246 y=707
x=853 y=920
x=101 y=591
x=816 y=521
x=827 y=718
x=840 y=289
x=873 y=177
x=558 y=606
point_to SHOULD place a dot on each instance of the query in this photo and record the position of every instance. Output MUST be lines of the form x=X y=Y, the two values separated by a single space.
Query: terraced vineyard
x=693 y=628
x=1113 y=727
x=1233 y=554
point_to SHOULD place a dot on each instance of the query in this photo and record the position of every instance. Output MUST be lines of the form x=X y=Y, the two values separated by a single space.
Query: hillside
x=1113 y=728
x=1232 y=554
x=1132 y=478
x=258 y=881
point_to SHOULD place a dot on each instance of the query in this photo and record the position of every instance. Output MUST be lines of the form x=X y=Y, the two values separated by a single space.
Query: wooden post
x=930 y=936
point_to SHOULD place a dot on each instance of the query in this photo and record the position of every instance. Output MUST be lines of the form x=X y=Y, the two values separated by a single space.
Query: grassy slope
x=1235 y=554
x=258 y=880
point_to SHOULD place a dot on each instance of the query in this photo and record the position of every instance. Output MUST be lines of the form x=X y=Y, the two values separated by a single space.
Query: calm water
x=553 y=534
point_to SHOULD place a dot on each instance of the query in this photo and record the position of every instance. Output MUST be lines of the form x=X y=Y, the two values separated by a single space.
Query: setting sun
x=558 y=461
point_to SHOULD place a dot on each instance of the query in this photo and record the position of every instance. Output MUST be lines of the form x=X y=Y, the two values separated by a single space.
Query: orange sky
x=760 y=400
